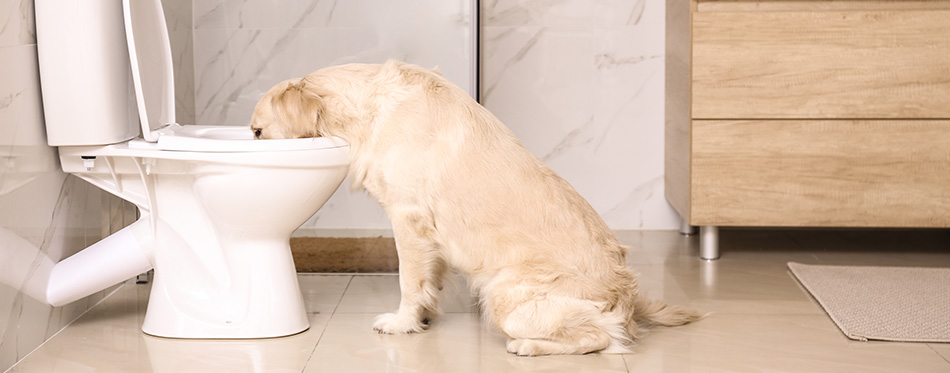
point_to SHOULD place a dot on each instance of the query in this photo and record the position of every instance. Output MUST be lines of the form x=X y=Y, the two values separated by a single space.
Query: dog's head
x=288 y=110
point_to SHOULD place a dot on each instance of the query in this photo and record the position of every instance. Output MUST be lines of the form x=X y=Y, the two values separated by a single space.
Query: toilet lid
x=151 y=57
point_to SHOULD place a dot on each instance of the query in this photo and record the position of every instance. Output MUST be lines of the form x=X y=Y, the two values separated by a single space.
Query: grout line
x=931 y=347
x=324 y=331
x=338 y=301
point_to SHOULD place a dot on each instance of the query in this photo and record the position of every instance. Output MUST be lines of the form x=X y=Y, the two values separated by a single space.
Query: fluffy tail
x=649 y=312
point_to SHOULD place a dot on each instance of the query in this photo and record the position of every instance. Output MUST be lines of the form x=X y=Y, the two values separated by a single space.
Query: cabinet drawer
x=821 y=64
x=839 y=173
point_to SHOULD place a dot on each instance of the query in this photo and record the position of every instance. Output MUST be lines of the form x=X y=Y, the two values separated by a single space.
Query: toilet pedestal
x=251 y=293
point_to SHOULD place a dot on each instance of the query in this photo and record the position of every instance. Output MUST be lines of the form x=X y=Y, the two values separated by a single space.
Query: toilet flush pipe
x=114 y=259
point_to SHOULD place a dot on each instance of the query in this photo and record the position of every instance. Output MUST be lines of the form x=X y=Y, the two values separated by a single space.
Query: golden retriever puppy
x=463 y=192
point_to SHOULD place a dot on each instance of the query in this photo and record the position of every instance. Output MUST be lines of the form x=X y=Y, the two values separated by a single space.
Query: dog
x=463 y=193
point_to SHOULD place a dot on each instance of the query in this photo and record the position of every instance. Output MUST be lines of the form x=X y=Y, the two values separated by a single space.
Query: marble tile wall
x=45 y=215
x=579 y=82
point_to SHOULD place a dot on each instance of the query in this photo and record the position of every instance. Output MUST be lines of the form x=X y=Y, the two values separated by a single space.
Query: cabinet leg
x=709 y=242
x=686 y=229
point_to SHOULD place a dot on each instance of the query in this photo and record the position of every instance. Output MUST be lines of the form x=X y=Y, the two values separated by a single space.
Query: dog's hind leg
x=553 y=325
x=421 y=271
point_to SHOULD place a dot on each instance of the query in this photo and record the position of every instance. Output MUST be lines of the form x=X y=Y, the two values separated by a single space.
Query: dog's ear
x=298 y=109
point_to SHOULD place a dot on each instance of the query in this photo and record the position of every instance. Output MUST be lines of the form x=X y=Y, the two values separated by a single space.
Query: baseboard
x=345 y=254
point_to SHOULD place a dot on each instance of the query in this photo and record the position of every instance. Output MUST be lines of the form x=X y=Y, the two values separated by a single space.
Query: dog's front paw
x=521 y=347
x=532 y=347
x=395 y=323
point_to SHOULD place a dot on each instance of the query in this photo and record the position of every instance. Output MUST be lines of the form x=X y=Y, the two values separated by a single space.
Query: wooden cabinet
x=818 y=113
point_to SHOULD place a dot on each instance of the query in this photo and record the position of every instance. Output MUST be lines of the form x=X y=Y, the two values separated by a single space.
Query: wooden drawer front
x=834 y=64
x=821 y=173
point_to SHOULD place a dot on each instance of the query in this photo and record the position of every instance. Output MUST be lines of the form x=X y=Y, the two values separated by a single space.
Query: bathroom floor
x=761 y=321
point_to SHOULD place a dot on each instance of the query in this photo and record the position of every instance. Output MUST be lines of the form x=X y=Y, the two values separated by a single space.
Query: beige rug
x=907 y=304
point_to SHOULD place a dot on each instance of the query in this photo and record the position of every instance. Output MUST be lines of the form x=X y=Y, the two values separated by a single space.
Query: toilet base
x=258 y=297
x=219 y=246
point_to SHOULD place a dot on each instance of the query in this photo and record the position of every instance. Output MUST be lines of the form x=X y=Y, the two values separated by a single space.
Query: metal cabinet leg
x=686 y=229
x=709 y=242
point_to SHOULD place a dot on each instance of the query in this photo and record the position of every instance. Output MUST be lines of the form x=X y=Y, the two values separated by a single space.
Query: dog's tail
x=650 y=312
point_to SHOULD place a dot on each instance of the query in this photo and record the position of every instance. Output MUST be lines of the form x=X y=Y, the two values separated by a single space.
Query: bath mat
x=906 y=304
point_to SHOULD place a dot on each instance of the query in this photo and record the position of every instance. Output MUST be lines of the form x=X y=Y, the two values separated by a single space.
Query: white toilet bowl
x=215 y=226
x=217 y=207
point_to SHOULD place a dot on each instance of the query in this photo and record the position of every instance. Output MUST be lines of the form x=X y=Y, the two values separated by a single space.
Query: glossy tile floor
x=761 y=321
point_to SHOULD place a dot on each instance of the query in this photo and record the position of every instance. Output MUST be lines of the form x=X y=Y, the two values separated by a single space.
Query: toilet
x=217 y=207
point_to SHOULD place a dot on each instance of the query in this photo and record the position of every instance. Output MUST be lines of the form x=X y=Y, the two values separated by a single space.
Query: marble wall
x=580 y=82
x=45 y=215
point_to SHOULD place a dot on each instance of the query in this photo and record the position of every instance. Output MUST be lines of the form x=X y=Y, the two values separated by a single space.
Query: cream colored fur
x=462 y=192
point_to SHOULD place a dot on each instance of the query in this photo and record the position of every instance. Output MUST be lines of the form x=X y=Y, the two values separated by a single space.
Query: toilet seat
x=211 y=138
x=219 y=144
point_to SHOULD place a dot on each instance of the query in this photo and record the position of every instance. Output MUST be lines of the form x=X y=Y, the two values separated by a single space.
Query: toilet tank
x=105 y=70
x=85 y=75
